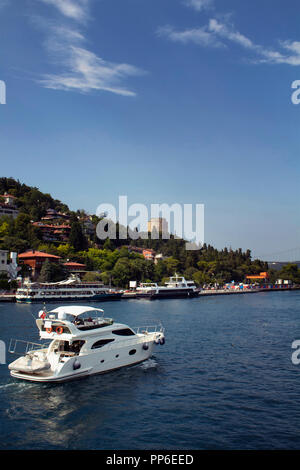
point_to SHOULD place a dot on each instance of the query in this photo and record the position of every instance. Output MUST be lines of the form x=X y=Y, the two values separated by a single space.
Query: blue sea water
x=223 y=380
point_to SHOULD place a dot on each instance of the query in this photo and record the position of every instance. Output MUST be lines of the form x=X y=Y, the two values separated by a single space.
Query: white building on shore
x=8 y=263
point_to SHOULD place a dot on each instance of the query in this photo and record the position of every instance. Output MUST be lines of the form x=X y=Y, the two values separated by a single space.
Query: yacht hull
x=100 y=363
x=96 y=297
x=176 y=294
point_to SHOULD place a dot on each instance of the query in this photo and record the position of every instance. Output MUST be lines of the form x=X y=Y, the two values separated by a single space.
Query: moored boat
x=176 y=287
x=72 y=289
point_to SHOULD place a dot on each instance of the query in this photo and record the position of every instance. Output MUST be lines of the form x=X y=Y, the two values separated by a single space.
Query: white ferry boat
x=83 y=343
x=69 y=290
x=177 y=286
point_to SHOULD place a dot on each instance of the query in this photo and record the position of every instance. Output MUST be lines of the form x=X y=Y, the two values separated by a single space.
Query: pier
x=205 y=292
x=228 y=291
x=7 y=297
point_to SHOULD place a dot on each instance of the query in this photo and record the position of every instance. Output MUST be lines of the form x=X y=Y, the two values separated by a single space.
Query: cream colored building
x=158 y=224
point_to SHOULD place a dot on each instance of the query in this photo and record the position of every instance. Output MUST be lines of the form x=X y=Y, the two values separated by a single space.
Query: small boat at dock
x=72 y=289
x=176 y=287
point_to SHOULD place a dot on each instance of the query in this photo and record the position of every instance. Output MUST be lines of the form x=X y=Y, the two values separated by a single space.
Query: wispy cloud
x=74 y=9
x=289 y=54
x=222 y=34
x=223 y=31
x=79 y=69
x=199 y=4
x=85 y=72
x=200 y=36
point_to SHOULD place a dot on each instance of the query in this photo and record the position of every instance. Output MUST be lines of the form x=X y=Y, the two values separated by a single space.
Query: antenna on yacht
x=32 y=315
x=44 y=309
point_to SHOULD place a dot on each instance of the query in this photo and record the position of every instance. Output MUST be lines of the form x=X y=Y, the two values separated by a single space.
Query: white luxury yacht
x=83 y=343
x=177 y=286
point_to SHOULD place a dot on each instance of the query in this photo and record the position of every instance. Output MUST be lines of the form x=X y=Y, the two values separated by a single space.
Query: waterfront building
x=8 y=263
x=35 y=260
x=75 y=268
x=263 y=276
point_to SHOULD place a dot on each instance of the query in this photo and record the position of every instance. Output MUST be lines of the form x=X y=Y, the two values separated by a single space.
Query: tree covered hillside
x=116 y=261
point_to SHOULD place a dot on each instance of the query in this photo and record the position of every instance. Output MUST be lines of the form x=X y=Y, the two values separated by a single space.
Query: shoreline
x=209 y=292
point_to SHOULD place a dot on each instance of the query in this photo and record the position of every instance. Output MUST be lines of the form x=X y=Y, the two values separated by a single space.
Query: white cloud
x=290 y=50
x=74 y=9
x=85 y=72
x=199 y=4
x=225 y=32
x=200 y=36
x=79 y=69
x=217 y=34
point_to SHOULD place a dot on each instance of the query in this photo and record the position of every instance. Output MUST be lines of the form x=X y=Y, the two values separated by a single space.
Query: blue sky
x=185 y=101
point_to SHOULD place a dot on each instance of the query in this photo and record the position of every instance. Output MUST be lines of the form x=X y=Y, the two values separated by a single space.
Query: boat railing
x=20 y=347
x=149 y=329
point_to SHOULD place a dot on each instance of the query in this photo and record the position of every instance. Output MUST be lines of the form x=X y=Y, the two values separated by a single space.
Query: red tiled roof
x=55 y=227
x=71 y=263
x=36 y=254
x=8 y=195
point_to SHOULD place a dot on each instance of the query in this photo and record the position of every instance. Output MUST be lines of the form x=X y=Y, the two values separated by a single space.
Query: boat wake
x=149 y=364
x=17 y=385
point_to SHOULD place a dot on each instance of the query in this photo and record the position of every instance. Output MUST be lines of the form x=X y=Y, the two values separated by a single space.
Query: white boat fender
x=145 y=346
x=162 y=341
x=76 y=364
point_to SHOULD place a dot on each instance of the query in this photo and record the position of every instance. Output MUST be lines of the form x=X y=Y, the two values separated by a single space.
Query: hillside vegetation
x=113 y=261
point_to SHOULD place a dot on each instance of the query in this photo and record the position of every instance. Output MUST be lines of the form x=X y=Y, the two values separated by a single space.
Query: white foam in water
x=149 y=364
x=7 y=385
x=17 y=385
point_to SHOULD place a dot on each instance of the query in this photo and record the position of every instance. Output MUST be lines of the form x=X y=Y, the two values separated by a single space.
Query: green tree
x=122 y=272
x=290 y=272
x=77 y=238
x=52 y=272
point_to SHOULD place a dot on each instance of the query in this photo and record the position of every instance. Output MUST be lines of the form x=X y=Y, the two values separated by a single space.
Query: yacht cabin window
x=123 y=332
x=101 y=342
